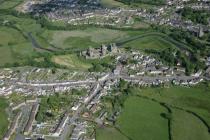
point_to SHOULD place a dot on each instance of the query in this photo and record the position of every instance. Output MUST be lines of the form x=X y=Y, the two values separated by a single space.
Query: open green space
x=141 y=119
x=79 y=42
x=175 y=112
x=149 y=2
x=185 y=126
x=112 y=3
x=75 y=62
x=3 y=117
x=7 y=4
x=193 y=109
x=109 y=133
x=9 y=36
x=13 y=46
x=81 y=39
x=149 y=42
x=71 y=61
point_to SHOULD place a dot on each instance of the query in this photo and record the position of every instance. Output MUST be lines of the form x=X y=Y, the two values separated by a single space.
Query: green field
x=93 y=37
x=71 y=61
x=179 y=113
x=112 y=3
x=12 y=45
x=3 y=117
x=80 y=42
x=109 y=133
x=141 y=119
x=185 y=126
x=7 y=4
x=75 y=62
x=188 y=101
x=149 y=42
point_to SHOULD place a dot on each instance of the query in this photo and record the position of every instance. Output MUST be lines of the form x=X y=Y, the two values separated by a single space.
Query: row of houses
x=13 y=126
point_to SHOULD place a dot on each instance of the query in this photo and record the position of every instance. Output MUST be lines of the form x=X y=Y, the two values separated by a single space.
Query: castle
x=104 y=50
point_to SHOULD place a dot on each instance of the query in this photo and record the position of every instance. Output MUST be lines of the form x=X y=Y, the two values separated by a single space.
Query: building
x=104 y=50
x=31 y=119
x=12 y=127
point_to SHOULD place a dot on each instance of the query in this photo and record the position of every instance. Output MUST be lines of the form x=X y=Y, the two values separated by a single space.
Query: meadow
x=190 y=109
x=90 y=37
x=71 y=61
x=12 y=45
x=141 y=119
x=8 y=4
x=186 y=126
x=3 y=117
x=75 y=62
x=175 y=112
x=112 y=3
x=149 y=42
x=109 y=133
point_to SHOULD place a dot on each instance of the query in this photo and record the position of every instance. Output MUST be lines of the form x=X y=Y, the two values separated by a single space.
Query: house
x=61 y=125
x=12 y=127
x=32 y=116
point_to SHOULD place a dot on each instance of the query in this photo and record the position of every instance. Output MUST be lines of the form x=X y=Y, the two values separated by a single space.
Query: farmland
x=90 y=37
x=177 y=113
x=189 y=106
x=7 y=4
x=150 y=42
x=71 y=61
x=112 y=3
x=12 y=45
x=186 y=126
x=75 y=62
x=140 y=117
x=109 y=133
x=3 y=116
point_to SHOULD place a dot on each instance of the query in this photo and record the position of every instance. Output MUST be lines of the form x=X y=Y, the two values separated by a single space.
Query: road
x=95 y=91
x=56 y=83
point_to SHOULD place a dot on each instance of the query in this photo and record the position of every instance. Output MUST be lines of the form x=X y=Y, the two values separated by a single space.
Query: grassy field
x=3 y=117
x=189 y=101
x=74 y=62
x=82 y=38
x=79 y=42
x=112 y=3
x=144 y=116
x=12 y=46
x=71 y=61
x=141 y=119
x=185 y=126
x=109 y=133
x=7 y=4
x=9 y=36
x=149 y=42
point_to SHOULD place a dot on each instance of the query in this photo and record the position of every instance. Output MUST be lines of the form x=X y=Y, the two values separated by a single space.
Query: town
x=75 y=13
x=104 y=69
x=141 y=70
